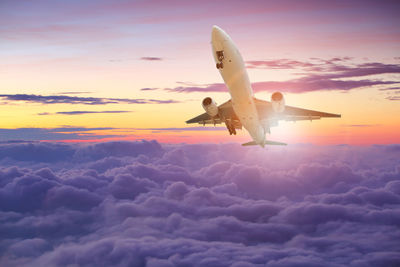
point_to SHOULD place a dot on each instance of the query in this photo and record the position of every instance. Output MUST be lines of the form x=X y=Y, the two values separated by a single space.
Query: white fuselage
x=236 y=79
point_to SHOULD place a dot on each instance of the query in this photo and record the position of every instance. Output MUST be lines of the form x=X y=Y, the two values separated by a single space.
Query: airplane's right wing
x=293 y=114
x=265 y=111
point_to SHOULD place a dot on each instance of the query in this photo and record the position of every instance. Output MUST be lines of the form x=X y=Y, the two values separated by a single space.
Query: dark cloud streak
x=151 y=58
x=148 y=89
x=78 y=112
x=82 y=133
x=74 y=93
x=56 y=134
x=324 y=75
x=63 y=99
x=183 y=129
x=393 y=98
x=361 y=125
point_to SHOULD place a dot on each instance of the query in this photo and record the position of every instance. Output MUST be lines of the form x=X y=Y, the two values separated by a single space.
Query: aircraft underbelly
x=245 y=110
x=235 y=77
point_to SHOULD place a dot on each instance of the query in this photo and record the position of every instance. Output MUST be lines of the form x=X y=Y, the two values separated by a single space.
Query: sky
x=98 y=168
x=88 y=71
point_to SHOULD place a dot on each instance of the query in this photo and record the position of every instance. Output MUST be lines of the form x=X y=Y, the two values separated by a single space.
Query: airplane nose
x=217 y=34
x=215 y=28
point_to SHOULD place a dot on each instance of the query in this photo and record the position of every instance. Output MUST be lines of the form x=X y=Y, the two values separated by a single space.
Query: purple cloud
x=148 y=89
x=64 y=99
x=393 y=98
x=278 y=64
x=151 y=58
x=74 y=93
x=322 y=75
x=79 y=112
x=390 y=88
x=184 y=129
x=61 y=133
x=146 y=204
x=360 y=125
x=82 y=133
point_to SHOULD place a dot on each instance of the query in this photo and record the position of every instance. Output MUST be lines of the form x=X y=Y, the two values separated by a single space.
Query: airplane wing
x=225 y=113
x=265 y=111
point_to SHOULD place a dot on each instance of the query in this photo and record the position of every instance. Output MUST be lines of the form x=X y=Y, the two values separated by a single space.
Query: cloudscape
x=147 y=204
x=98 y=166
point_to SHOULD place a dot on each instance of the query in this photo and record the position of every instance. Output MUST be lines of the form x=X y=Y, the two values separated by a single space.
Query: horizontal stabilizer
x=267 y=142
x=274 y=143
x=252 y=143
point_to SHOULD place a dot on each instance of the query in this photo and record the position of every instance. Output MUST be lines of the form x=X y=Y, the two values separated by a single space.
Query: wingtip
x=191 y=121
x=336 y=115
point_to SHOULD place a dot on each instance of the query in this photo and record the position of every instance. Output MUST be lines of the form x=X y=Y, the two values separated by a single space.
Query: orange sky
x=335 y=58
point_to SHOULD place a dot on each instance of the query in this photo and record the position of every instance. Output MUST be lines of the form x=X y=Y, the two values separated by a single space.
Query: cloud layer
x=142 y=203
x=317 y=75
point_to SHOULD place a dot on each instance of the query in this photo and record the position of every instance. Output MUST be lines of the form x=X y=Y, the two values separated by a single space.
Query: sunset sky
x=98 y=168
x=128 y=70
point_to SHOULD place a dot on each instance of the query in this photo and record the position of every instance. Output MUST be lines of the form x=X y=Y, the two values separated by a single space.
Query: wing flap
x=293 y=111
x=199 y=119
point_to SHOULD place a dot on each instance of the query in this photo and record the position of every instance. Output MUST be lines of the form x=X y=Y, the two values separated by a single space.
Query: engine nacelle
x=278 y=102
x=210 y=106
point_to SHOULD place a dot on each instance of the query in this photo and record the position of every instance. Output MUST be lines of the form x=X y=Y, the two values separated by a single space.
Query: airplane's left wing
x=225 y=113
x=265 y=111
x=204 y=119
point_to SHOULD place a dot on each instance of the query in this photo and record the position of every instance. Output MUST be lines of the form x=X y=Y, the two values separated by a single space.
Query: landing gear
x=230 y=127
x=220 y=56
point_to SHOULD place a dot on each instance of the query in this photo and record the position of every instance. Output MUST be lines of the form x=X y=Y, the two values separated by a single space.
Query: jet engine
x=210 y=106
x=278 y=102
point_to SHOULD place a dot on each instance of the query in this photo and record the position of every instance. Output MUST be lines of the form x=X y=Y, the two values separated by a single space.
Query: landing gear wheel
x=220 y=65
x=230 y=127
x=220 y=55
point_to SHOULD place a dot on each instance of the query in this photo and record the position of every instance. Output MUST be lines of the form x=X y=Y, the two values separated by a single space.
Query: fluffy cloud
x=142 y=203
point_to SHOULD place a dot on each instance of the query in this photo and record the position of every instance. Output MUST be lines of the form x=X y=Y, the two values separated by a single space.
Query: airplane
x=243 y=109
